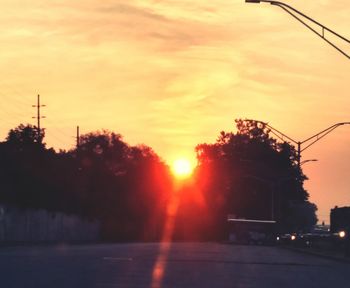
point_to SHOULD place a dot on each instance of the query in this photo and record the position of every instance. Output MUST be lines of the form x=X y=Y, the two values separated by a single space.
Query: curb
x=318 y=254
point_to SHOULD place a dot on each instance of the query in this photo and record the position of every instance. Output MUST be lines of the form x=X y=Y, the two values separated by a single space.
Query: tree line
x=129 y=189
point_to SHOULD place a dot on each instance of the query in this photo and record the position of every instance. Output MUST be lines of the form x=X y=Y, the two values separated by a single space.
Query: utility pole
x=78 y=149
x=299 y=154
x=78 y=138
x=38 y=117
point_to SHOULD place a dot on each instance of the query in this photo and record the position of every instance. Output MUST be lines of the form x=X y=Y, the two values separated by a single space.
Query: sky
x=174 y=73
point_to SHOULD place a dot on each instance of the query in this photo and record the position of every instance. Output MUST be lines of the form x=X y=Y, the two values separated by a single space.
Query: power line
x=21 y=99
x=58 y=139
x=62 y=134
x=52 y=125
x=8 y=121
x=12 y=107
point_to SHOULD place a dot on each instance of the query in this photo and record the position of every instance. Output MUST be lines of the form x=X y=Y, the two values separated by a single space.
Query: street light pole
x=272 y=190
x=308 y=142
x=296 y=14
x=274 y=185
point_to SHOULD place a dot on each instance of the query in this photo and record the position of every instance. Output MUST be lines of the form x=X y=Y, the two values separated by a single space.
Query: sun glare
x=182 y=168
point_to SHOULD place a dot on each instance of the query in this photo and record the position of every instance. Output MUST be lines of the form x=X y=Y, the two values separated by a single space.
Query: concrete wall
x=18 y=225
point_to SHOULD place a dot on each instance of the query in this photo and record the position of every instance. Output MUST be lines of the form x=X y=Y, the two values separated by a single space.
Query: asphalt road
x=177 y=265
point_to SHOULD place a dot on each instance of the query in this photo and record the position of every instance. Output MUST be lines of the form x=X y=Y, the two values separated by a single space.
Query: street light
x=296 y=14
x=308 y=142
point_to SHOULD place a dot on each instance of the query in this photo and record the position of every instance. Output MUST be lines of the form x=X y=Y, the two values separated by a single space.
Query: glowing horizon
x=182 y=168
x=173 y=74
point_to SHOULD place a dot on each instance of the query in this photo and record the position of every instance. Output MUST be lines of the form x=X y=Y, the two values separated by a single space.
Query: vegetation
x=249 y=174
x=129 y=189
x=123 y=186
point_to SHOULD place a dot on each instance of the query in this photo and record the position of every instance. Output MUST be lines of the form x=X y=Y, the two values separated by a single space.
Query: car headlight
x=342 y=234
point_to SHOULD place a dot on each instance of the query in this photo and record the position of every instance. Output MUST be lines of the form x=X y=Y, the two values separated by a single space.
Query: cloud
x=127 y=9
x=172 y=73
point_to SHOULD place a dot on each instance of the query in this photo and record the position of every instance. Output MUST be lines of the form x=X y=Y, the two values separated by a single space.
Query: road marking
x=117 y=259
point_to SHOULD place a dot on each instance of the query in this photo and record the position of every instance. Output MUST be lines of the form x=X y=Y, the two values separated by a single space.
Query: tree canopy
x=130 y=190
x=123 y=186
x=249 y=174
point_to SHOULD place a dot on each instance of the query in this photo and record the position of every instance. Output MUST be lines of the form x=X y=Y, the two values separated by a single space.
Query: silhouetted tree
x=129 y=189
x=251 y=175
x=22 y=165
x=125 y=187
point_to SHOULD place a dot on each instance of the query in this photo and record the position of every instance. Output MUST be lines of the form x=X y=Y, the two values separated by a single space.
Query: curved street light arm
x=289 y=9
x=274 y=131
x=317 y=137
x=307 y=161
x=321 y=35
x=279 y=134
x=278 y=3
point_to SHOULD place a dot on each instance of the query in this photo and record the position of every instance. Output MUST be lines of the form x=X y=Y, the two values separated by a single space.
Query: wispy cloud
x=172 y=73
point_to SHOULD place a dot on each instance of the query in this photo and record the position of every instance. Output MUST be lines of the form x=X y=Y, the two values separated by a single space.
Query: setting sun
x=182 y=168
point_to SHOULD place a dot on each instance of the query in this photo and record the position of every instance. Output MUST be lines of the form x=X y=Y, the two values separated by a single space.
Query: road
x=175 y=265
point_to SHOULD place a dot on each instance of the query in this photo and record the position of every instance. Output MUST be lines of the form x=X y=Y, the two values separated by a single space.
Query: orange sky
x=174 y=73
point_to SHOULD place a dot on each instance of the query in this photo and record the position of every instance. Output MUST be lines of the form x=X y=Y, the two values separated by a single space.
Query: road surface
x=176 y=265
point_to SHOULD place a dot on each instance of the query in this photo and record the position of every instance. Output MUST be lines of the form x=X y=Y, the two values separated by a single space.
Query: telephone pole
x=38 y=117
x=78 y=138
